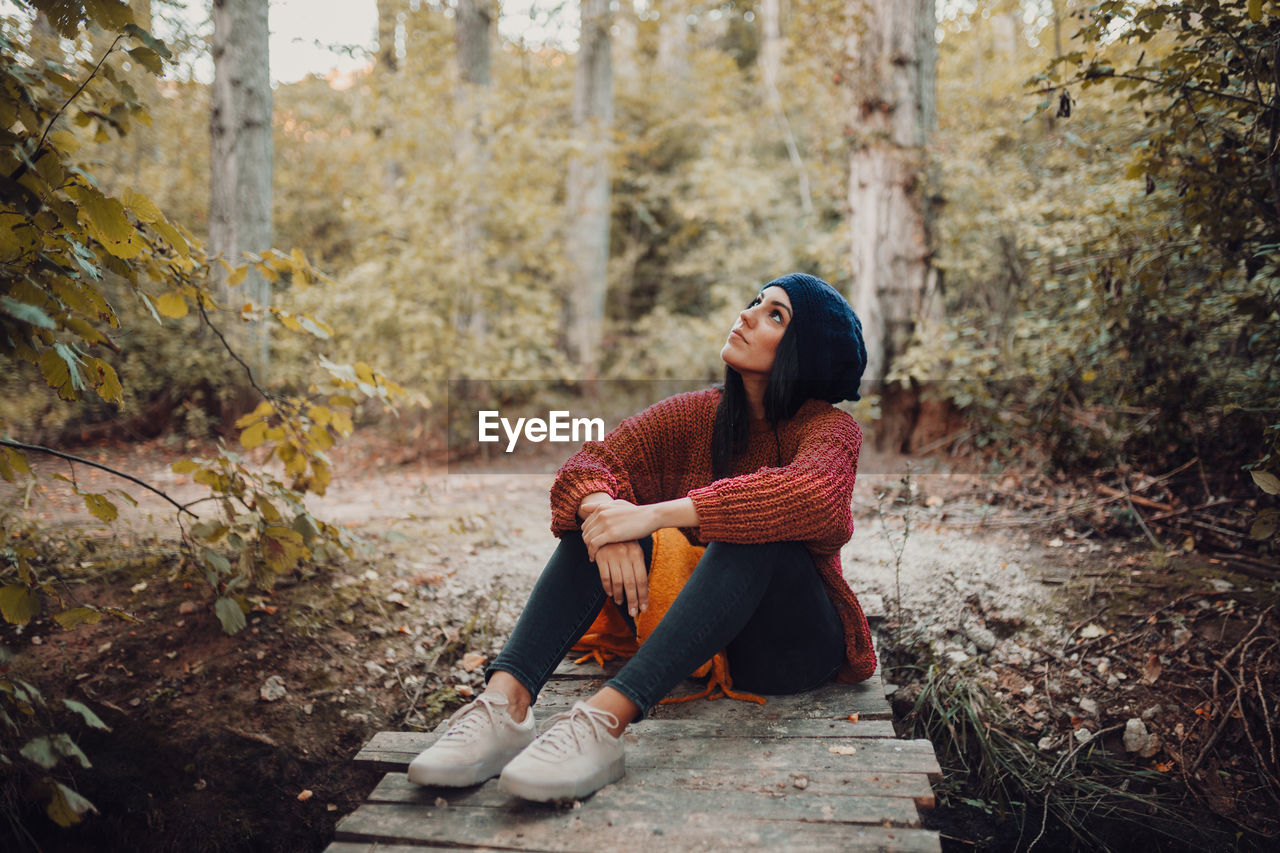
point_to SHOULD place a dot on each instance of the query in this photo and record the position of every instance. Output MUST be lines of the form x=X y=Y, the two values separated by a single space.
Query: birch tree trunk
x=473 y=34
x=770 y=62
x=240 y=190
x=588 y=186
x=894 y=282
x=673 y=37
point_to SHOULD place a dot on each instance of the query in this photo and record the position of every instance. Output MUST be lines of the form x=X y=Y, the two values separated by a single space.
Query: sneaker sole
x=543 y=791
x=460 y=775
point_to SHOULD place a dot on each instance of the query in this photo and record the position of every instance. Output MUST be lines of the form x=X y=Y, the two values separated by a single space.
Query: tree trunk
x=474 y=19
x=673 y=37
x=770 y=62
x=240 y=190
x=588 y=186
x=473 y=33
x=894 y=282
x=388 y=24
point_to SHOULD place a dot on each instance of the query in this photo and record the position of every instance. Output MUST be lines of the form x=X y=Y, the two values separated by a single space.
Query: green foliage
x=1111 y=257
x=70 y=251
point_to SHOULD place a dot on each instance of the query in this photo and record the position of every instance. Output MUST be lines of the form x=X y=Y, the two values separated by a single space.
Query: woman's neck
x=754 y=387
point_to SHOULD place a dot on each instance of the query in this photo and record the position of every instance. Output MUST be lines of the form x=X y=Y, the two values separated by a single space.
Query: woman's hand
x=616 y=521
x=623 y=575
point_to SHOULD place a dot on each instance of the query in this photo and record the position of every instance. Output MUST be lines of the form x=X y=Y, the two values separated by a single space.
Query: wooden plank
x=832 y=700
x=394 y=750
x=376 y=847
x=535 y=827
x=908 y=786
x=639 y=792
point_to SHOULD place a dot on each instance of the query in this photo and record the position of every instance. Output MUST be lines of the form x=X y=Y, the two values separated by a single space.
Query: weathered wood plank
x=394 y=750
x=534 y=827
x=376 y=847
x=638 y=792
x=832 y=700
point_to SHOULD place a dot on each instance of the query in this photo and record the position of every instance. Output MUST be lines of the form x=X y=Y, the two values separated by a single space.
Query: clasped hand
x=610 y=533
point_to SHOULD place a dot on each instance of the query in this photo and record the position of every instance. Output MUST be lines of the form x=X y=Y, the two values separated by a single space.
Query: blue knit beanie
x=828 y=338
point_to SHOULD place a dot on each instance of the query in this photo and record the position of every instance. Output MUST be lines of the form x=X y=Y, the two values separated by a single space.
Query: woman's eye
x=777 y=315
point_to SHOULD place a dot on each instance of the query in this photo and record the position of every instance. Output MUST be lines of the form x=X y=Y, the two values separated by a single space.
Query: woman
x=762 y=471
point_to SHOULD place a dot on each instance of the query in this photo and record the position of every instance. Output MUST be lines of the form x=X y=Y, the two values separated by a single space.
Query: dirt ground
x=244 y=743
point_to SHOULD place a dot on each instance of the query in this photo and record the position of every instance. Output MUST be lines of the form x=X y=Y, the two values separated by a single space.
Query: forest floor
x=991 y=591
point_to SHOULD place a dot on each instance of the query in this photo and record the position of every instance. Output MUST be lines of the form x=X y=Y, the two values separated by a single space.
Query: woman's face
x=753 y=341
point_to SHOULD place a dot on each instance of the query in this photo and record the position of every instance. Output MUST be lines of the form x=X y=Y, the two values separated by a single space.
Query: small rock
x=273 y=689
x=1151 y=712
x=1136 y=736
x=396 y=598
x=303 y=796
x=441 y=802
x=800 y=782
x=1083 y=735
x=1090 y=631
x=981 y=636
x=104 y=648
x=308 y=708
x=1089 y=706
x=378 y=630
x=188 y=607
x=401 y=586
x=390 y=656
x=1045 y=743
x=375 y=669
x=957 y=657
x=36 y=641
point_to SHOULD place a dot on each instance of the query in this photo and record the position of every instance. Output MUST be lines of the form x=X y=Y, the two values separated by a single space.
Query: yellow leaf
x=74 y=617
x=101 y=507
x=16 y=461
x=184 y=466
x=268 y=510
x=238 y=276
x=172 y=304
x=58 y=374
x=142 y=207
x=65 y=141
x=254 y=435
x=18 y=604
x=105 y=381
x=1255 y=10
x=365 y=373
x=265 y=409
x=173 y=238
x=342 y=423
x=320 y=414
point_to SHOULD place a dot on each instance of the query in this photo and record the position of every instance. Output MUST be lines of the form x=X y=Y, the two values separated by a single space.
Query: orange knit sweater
x=795 y=484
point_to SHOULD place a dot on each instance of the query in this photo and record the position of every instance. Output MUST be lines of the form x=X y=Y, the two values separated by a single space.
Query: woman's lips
x=733 y=332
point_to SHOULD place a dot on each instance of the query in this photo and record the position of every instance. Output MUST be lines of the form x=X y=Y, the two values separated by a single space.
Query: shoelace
x=567 y=733
x=466 y=722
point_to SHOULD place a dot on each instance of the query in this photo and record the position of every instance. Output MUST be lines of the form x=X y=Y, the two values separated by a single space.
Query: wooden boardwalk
x=793 y=774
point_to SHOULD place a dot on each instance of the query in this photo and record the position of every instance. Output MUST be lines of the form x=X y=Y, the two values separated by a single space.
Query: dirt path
x=398 y=636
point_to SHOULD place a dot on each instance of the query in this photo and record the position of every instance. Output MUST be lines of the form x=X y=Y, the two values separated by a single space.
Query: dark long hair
x=783 y=396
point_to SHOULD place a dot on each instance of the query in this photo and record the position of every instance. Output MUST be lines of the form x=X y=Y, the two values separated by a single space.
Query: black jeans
x=764 y=604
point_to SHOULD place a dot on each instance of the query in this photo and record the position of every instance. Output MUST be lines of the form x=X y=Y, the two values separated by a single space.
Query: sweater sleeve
x=806 y=500
x=627 y=463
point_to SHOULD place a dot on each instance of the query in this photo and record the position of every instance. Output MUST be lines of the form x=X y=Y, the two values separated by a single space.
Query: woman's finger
x=606 y=579
x=642 y=577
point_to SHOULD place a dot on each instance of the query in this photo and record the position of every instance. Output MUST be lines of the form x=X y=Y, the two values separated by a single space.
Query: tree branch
x=17 y=445
x=36 y=155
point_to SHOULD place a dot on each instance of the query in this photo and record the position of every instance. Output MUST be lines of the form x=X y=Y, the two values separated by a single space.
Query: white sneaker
x=574 y=757
x=480 y=740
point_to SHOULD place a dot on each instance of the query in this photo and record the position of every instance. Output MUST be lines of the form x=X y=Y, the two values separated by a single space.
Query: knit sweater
x=794 y=483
